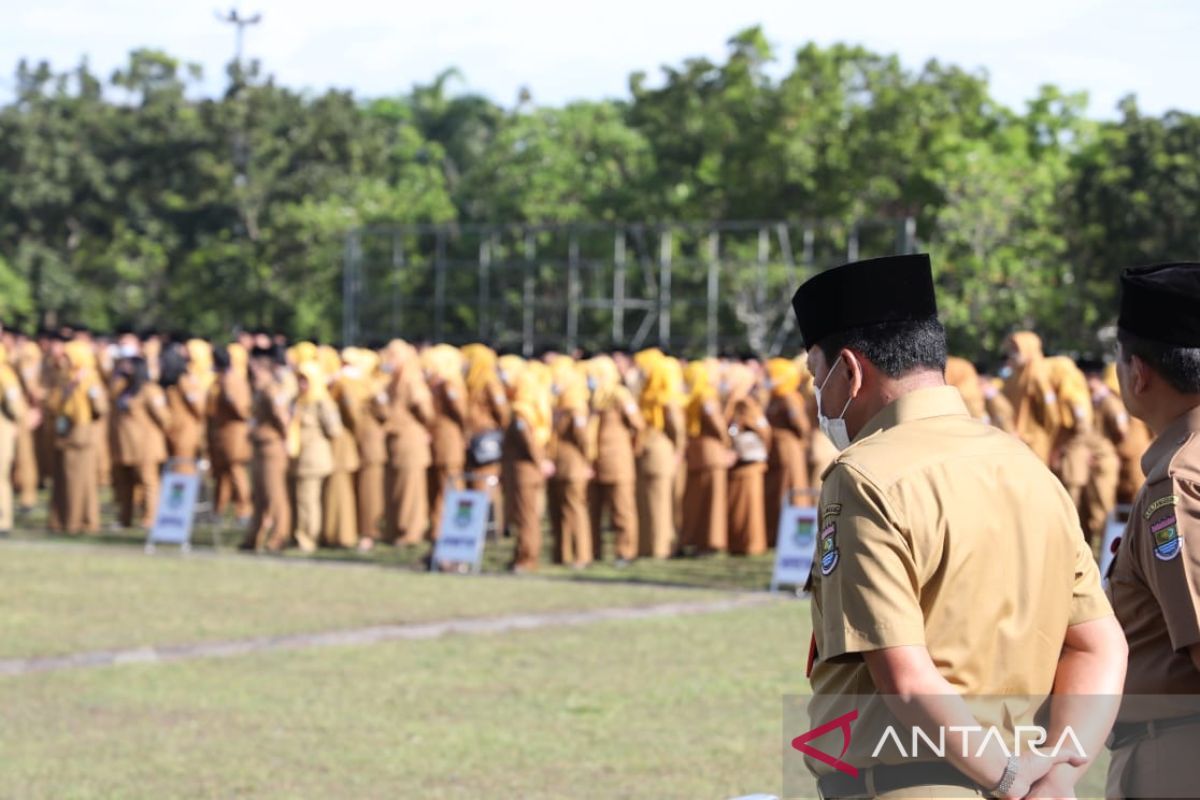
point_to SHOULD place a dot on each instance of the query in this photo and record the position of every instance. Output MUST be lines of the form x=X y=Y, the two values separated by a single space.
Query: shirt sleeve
x=1169 y=541
x=1088 y=601
x=869 y=589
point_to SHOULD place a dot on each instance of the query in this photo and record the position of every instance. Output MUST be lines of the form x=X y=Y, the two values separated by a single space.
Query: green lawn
x=66 y=599
x=683 y=707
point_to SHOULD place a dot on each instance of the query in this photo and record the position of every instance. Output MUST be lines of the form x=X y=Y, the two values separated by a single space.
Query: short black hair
x=1178 y=366
x=895 y=348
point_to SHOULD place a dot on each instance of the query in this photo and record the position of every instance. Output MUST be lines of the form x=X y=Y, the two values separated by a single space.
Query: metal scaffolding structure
x=690 y=288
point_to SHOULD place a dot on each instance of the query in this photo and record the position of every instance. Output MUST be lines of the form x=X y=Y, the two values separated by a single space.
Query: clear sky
x=585 y=49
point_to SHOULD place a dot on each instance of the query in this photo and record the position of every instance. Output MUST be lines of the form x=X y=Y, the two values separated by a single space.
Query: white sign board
x=794 y=546
x=464 y=523
x=176 y=510
x=1114 y=529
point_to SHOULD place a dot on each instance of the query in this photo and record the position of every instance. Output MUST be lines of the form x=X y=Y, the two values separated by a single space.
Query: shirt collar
x=936 y=401
x=1171 y=439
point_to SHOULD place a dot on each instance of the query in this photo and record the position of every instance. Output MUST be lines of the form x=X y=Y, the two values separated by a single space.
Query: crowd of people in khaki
x=316 y=447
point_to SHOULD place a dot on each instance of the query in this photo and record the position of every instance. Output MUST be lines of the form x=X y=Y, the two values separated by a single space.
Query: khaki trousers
x=271 y=527
x=525 y=504
x=233 y=486
x=407 y=504
x=619 y=500
x=656 y=514
x=442 y=479
x=341 y=511
x=132 y=482
x=371 y=505
x=570 y=522
x=705 y=511
x=1162 y=766
x=308 y=511
x=747 y=511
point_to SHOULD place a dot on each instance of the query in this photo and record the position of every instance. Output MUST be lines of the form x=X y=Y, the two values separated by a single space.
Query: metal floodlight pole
x=240 y=23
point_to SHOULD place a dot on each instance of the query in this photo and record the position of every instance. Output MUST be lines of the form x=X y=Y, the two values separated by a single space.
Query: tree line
x=132 y=200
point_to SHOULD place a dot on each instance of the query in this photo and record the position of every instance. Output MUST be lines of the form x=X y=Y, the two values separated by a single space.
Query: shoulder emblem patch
x=829 y=549
x=1166 y=538
x=1161 y=502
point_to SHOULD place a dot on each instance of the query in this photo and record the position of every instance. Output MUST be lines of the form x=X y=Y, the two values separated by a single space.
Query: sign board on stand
x=794 y=547
x=464 y=525
x=176 y=511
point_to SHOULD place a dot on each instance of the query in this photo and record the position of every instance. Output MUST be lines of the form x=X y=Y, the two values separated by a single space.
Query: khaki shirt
x=1154 y=582
x=941 y=531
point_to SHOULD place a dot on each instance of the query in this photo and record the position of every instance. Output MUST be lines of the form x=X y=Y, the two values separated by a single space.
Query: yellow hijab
x=77 y=407
x=606 y=379
x=531 y=402
x=658 y=389
x=481 y=367
x=701 y=389
x=785 y=376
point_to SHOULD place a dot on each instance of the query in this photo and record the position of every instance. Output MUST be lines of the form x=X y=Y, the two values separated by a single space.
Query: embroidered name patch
x=1161 y=502
x=829 y=550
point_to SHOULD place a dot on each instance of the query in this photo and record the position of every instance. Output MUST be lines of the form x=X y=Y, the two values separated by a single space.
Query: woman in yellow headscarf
x=340 y=503
x=78 y=404
x=443 y=366
x=487 y=417
x=708 y=458
x=1131 y=438
x=526 y=466
x=1028 y=389
x=27 y=363
x=751 y=436
x=787 y=466
x=573 y=448
x=407 y=409
x=661 y=452
x=314 y=425
x=361 y=383
x=618 y=423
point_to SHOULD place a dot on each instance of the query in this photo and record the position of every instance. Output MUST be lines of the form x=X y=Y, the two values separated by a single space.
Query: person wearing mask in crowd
x=660 y=454
x=339 y=503
x=1029 y=391
x=228 y=412
x=573 y=450
x=407 y=406
x=443 y=367
x=78 y=405
x=361 y=383
x=487 y=417
x=787 y=466
x=271 y=527
x=705 y=502
x=526 y=466
x=821 y=452
x=141 y=418
x=314 y=425
x=750 y=436
x=13 y=413
x=618 y=423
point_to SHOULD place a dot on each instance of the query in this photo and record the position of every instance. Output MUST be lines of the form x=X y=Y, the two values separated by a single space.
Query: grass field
x=685 y=707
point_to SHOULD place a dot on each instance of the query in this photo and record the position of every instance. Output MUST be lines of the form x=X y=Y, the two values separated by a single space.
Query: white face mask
x=835 y=429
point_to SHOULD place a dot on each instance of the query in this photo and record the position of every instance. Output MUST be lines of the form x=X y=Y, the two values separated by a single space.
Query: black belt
x=1127 y=733
x=893 y=777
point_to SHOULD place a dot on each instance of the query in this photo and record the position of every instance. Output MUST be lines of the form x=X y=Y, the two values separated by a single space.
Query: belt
x=893 y=777
x=1127 y=733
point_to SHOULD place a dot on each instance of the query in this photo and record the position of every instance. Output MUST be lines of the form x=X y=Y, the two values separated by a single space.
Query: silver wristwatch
x=1007 y=778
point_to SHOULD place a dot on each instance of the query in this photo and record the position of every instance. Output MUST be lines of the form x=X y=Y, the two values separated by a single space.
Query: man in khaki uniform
x=271 y=527
x=950 y=561
x=1153 y=582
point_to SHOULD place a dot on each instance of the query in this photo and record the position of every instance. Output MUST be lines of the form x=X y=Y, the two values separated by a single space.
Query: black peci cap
x=1161 y=303
x=862 y=293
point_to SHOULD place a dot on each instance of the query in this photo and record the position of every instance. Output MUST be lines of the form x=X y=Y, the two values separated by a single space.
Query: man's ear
x=857 y=366
x=1140 y=374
